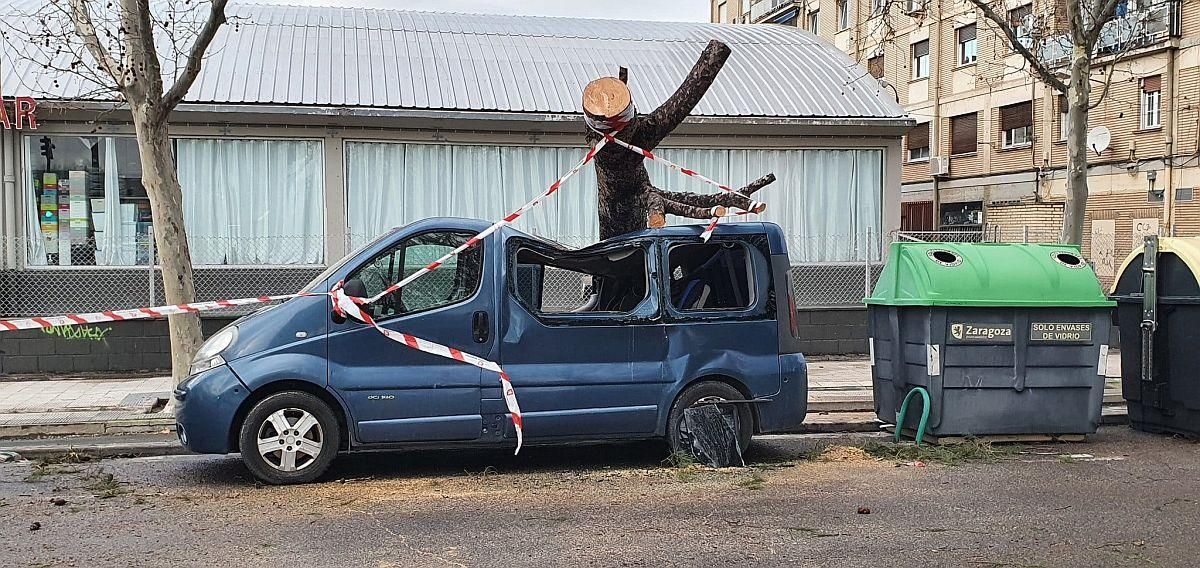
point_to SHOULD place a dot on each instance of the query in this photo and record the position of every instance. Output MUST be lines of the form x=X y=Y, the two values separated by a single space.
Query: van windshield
x=323 y=276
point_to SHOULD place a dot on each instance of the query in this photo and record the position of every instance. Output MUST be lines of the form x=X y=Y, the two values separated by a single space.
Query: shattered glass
x=712 y=432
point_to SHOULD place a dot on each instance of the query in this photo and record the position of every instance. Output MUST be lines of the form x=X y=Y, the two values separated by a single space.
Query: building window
x=877 y=6
x=875 y=66
x=245 y=202
x=1184 y=193
x=814 y=21
x=914 y=6
x=964 y=134
x=1021 y=21
x=918 y=143
x=723 y=12
x=843 y=14
x=1016 y=124
x=1064 y=118
x=920 y=59
x=1151 y=101
x=967 y=47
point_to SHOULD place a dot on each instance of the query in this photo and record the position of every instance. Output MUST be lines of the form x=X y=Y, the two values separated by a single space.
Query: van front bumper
x=205 y=408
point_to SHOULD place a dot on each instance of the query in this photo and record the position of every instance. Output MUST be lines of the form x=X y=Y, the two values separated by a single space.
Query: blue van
x=610 y=342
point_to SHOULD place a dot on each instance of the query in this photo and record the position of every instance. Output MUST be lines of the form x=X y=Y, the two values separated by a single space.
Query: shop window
x=918 y=143
x=713 y=276
x=920 y=59
x=1151 y=102
x=1016 y=124
x=87 y=204
x=964 y=134
x=456 y=280
x=967 y=45
x=248 y=202
x=556 y=282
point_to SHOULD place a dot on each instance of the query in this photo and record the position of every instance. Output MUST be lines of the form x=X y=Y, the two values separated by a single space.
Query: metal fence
x=827 y=272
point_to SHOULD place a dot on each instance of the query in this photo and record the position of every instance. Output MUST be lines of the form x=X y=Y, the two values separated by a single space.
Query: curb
x=161 y=445
x=104 y=428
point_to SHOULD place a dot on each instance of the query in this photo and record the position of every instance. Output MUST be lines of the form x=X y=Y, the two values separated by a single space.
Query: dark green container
x=1008 y=339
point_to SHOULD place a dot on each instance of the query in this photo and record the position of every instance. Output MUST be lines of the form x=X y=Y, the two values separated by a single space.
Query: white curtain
x=827 y=201
x=258 y=202
x=35 y=249
x=114 y=247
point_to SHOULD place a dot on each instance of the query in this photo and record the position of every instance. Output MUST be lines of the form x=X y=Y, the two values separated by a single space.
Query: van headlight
x=209 y=355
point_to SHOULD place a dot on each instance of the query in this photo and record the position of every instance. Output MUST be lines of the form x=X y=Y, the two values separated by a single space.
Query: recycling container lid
x=1178 y=267
x=987 y=274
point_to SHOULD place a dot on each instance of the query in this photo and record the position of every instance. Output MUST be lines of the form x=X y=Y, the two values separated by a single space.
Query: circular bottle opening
x=1067 y=259
x=945 y=257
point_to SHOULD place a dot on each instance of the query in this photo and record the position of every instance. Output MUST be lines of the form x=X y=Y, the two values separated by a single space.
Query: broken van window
x=570 y=282
x=710 y=276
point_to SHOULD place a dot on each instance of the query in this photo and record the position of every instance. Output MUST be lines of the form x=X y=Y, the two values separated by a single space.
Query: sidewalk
x=839 y=399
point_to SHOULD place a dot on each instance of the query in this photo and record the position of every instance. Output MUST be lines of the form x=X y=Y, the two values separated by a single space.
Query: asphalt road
x=1134 y=502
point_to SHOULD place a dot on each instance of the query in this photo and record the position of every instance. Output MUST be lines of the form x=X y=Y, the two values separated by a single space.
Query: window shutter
x=964 y=131
x=966 y=33
x=919 y=137
x=921 y=48
x=1063 y=105
x=1016 y=116
x=875 y=66
x=1152 y=84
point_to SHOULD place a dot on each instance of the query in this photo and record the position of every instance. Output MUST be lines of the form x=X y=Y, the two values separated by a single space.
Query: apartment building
x=989 y=148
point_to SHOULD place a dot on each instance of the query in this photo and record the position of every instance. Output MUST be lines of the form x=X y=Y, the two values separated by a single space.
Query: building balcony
x=1136 y=28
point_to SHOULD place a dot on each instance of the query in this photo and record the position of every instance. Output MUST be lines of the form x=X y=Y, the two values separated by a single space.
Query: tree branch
x=86 y=30
x=739 y=199
x=657 y=125
x=1011 y=34
x=1107 y=83
x=216 y=17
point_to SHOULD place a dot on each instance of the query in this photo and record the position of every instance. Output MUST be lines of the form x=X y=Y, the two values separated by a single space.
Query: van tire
x=300 y=410
x=700 y=391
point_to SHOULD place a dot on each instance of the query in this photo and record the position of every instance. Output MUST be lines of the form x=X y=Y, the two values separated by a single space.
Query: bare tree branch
x=1102 y=12
x=86 y=31
x=1038 y=67
x=183 y=82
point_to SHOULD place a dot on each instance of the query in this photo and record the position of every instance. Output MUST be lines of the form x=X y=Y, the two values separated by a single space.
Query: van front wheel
x=289 y=437
x=709 y=392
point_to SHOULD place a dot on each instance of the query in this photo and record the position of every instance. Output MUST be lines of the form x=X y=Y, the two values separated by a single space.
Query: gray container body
x=991 y=371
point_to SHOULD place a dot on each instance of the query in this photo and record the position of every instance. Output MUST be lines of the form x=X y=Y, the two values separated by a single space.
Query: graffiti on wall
x=79 y=332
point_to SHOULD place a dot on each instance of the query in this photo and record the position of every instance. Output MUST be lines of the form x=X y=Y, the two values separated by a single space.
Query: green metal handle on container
x=904 y=410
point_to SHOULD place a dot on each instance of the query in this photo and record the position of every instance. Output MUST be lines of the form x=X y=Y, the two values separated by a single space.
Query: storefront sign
x=24 y=112
x=1060 y=332
x=993 y=332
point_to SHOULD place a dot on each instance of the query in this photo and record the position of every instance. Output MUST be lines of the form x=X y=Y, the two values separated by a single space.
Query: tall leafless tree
x=146 y=57
x=1085 y=21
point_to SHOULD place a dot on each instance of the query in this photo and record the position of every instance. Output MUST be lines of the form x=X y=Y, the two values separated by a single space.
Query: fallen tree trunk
x=627 y=201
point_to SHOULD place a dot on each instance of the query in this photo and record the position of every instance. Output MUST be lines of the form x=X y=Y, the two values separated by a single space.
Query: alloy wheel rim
x=290 y=439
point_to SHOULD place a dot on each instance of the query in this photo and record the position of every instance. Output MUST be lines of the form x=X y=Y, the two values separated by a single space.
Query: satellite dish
x=1098 y=139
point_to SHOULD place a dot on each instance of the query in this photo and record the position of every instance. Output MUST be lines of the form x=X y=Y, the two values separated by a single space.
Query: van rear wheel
x=709 y=392
x=289 y=437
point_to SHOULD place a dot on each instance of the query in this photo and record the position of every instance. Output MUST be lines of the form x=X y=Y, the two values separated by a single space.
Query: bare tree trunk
x=170 y=239
x=1077 y=150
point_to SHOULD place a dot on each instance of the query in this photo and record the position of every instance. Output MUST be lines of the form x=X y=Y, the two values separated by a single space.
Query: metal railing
x=1140 y=27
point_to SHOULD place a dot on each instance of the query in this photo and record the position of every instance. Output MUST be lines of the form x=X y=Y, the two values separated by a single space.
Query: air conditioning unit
x=939 y=166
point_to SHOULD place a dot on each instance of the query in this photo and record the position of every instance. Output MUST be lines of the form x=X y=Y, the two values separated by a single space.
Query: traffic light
x=47 y=148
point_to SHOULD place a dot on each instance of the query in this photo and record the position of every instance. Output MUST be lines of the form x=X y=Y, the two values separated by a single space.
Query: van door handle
x=479 y=327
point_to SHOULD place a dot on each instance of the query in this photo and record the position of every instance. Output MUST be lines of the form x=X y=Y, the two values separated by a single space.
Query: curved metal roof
x=355 y=57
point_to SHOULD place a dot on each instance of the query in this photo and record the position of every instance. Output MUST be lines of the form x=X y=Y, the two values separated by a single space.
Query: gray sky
x=663 y=10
